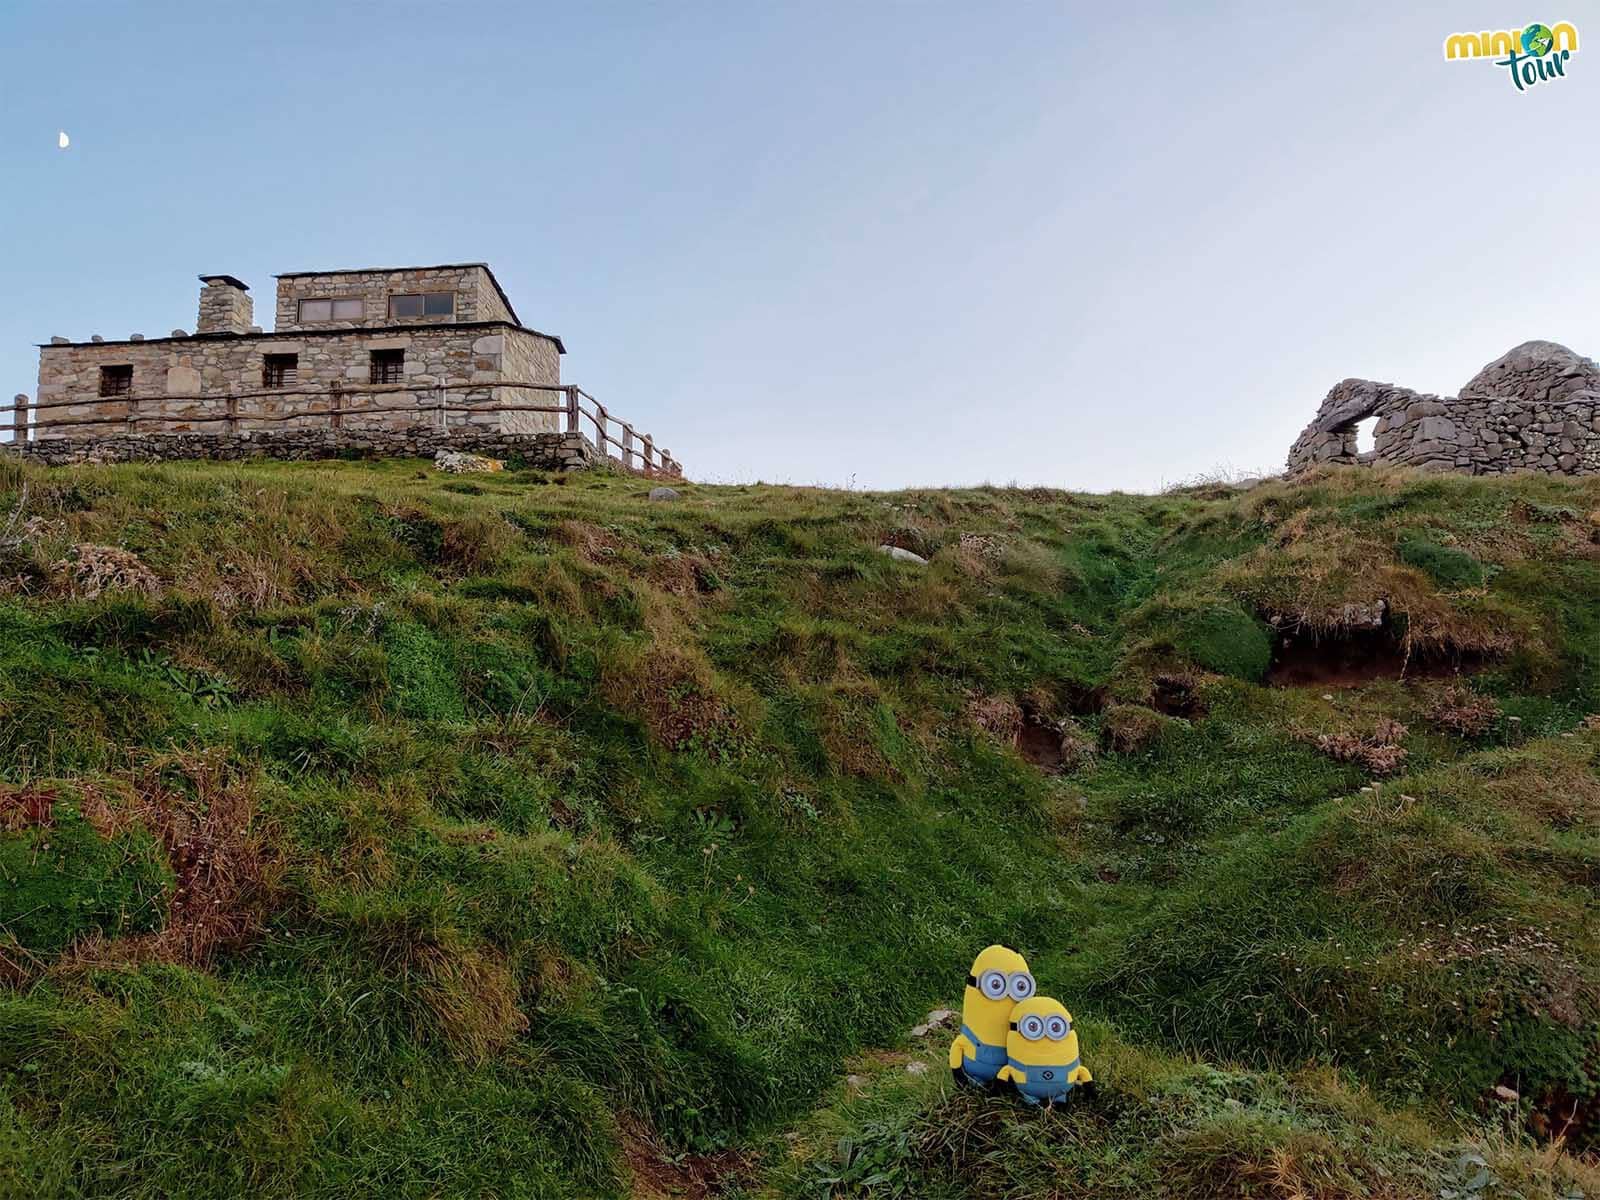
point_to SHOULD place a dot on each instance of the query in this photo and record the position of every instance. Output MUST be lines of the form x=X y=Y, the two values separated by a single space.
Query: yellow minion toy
x=999 y=980
x=1042 y=1051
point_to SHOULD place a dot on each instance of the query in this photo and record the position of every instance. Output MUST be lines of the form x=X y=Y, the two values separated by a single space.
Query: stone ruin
x=1536 y=408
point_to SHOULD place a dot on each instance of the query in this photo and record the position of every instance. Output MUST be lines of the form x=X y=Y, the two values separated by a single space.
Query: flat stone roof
x=279 y=335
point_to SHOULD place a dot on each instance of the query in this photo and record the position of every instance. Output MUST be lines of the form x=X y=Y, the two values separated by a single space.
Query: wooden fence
x=356 y=402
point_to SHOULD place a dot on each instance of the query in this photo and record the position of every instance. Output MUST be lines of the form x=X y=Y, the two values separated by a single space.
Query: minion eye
x=992 y=984
x=1056 y=1028
x=1031 y=1028
x=1020 y=985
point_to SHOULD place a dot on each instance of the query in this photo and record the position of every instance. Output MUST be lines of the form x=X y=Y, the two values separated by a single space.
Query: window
x=428 y=304
x=388 y=366
x=332 y=310
x=116 y=381
x=280 y=370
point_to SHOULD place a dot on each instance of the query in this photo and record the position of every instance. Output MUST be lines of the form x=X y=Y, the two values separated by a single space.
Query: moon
x=62 y=140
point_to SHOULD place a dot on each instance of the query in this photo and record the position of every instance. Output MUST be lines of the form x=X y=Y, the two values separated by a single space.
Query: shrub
x=1448 y=567
x=1228 y=640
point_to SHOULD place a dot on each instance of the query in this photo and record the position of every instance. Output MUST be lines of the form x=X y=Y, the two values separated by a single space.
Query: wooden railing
x=344 y=403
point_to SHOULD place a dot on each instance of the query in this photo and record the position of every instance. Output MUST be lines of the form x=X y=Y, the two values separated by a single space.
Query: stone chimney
x=225 y=305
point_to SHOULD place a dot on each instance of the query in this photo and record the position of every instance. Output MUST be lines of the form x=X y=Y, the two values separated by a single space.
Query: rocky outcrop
x=1536 y=408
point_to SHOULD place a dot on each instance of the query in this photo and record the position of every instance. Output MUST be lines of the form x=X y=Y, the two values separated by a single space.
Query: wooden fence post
x=231 y=408
x=649 y=449
x=19 y=418
x=133 y=413
x=336 y=407
x=572 y=409
x=600 y=429
x=627 y=445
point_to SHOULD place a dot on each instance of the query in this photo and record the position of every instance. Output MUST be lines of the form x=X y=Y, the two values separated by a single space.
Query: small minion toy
x=1042 y=1052
x=999 y=979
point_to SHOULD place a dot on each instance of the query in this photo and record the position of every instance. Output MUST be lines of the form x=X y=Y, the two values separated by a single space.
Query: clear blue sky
x=1084 y=245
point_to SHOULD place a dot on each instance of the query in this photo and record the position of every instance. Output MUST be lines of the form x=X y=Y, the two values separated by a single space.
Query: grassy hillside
x=366 y=831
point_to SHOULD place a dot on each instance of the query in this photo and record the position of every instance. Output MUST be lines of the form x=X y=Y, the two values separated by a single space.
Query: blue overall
x=988 y=1062
x=1044 y=1082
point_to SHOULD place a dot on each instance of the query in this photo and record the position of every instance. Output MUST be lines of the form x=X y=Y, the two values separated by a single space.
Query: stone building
x=384 y=348
x=1536 y=408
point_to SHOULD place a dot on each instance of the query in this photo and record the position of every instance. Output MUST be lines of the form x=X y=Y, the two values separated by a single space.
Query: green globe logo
x=1537 y=40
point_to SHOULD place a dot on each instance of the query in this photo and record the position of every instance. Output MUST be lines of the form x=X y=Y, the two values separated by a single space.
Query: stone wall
x=535 y=360
x=1536 y=408
x=178 y=381
x=477 y=298
x=547 y=451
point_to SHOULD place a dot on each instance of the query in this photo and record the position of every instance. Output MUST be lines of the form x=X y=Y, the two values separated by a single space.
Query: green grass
x=584 y=837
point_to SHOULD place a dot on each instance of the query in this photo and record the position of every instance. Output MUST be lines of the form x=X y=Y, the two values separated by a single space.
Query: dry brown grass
x=225 y=878
x=1566 y=794
x=91 y=570
x=1216 y=1164
x=975 y=556
x=26 y=808
x=676 y=697
x=476 y=544
x=257 y=581
x=1130 y=728
x=998 y=716
x=1379 y=752
x=593 y=543
x=472 y=996
x=1459 y=710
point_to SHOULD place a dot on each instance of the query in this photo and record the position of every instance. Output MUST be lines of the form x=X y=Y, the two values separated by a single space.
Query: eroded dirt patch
x=1039 y=741
x=1082 y=700
x=1354 y=657
x=1174 y=696
x=657 y=1174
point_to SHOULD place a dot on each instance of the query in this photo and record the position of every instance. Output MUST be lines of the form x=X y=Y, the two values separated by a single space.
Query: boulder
x=459 y=462
x=905 y=556
x=663 y=493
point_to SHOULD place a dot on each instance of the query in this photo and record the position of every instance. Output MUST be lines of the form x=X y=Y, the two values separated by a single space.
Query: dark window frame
x=280 y=370
x=388 y=366
x=116 y=380
x=424 y=297
x=332 y=302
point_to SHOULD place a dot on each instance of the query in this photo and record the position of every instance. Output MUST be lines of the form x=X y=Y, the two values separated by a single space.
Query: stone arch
x=1332 y=435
